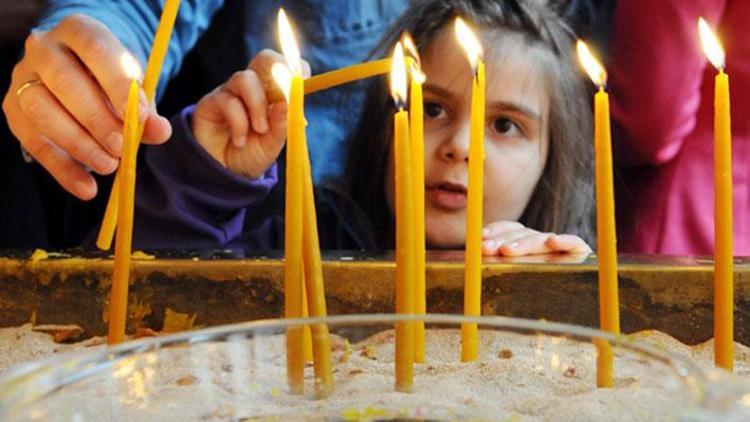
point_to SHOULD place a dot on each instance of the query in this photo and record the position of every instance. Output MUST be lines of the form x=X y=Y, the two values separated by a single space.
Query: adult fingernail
x=103 y=163
x=114 y=143
x=83 y=190
x=240 y=141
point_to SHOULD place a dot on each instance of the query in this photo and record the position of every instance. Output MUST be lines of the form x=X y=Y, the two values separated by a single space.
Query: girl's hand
x=511 y=238
x=235 y=123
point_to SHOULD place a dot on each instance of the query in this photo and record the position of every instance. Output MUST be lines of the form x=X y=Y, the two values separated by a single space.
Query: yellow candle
x=341 y=76
x=314 y=286
x=723 y=253
x=293 y=264
x=150 y=81
x=475 y=195
x=404 y=230
x=723 y=250
x=118 y=302
x=416 y=141
x=609 y=306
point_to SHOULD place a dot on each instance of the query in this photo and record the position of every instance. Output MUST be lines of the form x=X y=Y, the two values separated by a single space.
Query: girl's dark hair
x=562 y=201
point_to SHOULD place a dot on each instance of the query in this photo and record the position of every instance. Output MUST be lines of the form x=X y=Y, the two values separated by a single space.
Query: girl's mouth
x=446 y=195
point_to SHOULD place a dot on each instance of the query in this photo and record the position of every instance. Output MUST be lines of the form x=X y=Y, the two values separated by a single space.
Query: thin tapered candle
x=337 y=77
x=404 y=360
x=475 y=195
x=416 y=142
x=609 y=305
x=293 y=258
x=150 y=82
x=724 y=248
x=290 y=80
x=118 y=302
x=314 y=286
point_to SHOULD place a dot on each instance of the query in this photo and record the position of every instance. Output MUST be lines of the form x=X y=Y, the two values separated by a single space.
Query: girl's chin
x=442 y=241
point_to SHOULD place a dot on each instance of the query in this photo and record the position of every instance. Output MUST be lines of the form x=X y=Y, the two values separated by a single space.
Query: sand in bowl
x=527 y=370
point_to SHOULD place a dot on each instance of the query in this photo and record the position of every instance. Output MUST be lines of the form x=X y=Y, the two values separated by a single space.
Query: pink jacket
x=662 y=90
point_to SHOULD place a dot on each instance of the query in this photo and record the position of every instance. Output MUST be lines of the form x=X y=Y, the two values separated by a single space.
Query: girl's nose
x=456 y=147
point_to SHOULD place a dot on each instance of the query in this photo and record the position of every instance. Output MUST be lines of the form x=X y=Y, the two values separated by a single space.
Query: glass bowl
x=526 y=370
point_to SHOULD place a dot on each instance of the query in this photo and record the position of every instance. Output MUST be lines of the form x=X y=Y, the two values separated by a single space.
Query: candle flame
x=414 y=65
x=283 y=78
x=130 y=66
x=289 y=43
x=592 y=66
x=711 y=45
x=469 y=42
x=398 y=76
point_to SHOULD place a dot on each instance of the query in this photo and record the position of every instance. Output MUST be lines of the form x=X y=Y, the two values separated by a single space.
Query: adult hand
x=235 y=124
x=511 y=238
x=66 y=101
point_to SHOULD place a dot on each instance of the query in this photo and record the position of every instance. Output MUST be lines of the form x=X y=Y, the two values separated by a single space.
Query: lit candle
x=475 y=195
x=302 y=235
x=723 y=250
x=118 y=303
x=293 y=221
x=150 y=81
x=416 y=142
x=405 y=294
x=609 y=307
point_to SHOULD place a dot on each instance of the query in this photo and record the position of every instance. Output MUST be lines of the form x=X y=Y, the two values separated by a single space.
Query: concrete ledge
x=672 y=294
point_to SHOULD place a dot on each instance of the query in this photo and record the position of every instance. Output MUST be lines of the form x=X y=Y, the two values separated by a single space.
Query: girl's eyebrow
x=497 y=105
x=439 y=91
x=515 y=107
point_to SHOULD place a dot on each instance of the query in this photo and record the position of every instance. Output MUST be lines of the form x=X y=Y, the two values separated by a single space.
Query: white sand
x=517 y=377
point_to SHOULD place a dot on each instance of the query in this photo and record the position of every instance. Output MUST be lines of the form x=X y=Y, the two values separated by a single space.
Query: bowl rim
x=92 y=361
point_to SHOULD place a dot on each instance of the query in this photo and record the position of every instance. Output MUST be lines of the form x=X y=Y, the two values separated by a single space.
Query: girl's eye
x=505 y=126
x=433 y=110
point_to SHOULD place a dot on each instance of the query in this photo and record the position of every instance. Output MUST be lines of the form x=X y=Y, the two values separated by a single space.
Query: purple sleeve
x=185 y=199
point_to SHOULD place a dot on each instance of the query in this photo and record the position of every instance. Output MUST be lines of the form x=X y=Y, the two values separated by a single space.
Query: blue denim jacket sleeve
x=134 y=24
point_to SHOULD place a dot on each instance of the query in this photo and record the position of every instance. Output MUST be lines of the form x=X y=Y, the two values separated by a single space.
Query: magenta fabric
x=662 y=90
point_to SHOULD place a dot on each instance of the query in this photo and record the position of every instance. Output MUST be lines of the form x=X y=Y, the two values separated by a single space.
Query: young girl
x=216 y=185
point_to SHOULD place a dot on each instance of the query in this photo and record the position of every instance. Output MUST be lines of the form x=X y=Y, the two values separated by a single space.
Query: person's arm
x=134 y=23
x=68 y=92
x=187 y=199
x=656 y=69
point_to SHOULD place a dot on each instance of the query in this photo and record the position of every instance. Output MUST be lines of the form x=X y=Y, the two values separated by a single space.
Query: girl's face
x=516 y=134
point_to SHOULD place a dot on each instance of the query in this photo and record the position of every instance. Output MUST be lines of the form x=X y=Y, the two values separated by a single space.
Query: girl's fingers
x=306 y=71
x=500 y=227
x=247 y=85
x=235 y=115
x=567 y=243
x=533 y=243
x=261 y=64
x=492 y=245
